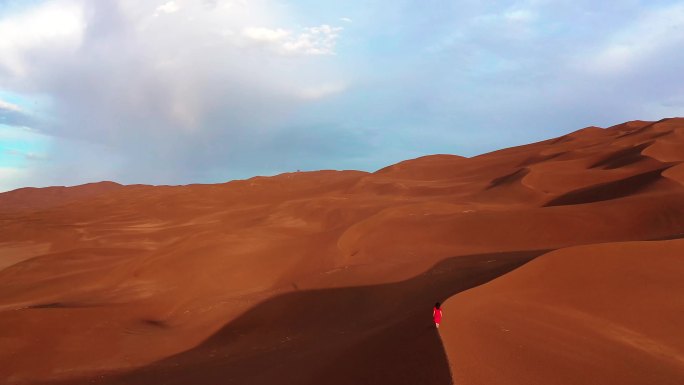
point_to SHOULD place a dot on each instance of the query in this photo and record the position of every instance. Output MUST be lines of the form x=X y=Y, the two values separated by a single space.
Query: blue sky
x=176 y=92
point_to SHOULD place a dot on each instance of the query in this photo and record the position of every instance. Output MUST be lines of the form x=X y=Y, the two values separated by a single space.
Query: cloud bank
x=183 y=91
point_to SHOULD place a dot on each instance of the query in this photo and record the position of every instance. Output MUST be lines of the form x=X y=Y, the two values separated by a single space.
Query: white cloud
x=319 y=40
x=168 y=7
x=346 y=20
x=266 y=35
x=9 y=106
x=51 y=26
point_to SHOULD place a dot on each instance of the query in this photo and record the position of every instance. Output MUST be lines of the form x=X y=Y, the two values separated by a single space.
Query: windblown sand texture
x=329 y=277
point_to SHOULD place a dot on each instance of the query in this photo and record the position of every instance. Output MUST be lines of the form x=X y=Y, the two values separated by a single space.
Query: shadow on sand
x=379 y=334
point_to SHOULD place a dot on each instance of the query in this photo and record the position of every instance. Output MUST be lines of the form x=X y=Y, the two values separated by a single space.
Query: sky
x=206 y=91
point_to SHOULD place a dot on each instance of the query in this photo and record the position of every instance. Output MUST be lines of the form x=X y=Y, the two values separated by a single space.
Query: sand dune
x=31 y=198
x=329 y=276
x=597 y=314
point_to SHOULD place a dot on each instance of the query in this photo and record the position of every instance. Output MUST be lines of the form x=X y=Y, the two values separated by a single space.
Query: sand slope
x=242 y=281
x=597 y=314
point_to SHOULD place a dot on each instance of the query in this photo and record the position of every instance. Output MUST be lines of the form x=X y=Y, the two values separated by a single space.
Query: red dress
x=437 y=315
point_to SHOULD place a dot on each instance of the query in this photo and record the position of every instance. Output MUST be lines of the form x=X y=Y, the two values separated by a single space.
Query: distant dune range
x=560 y=262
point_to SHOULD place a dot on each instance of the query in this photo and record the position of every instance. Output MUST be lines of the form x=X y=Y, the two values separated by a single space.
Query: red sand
x=596 y=314
x=330 y=277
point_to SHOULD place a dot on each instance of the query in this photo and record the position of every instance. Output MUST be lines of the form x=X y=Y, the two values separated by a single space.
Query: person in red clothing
x=437 y=314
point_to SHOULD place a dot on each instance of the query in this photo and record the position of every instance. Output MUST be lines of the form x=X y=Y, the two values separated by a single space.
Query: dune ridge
x=113 y=284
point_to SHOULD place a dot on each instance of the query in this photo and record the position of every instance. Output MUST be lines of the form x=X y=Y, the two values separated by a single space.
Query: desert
x=557 y=262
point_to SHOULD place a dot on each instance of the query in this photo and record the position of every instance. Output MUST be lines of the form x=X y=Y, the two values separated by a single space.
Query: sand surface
x=597 y=314
x=330 y=276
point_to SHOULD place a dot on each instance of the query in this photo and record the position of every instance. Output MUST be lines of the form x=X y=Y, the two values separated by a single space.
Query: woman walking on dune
x=437 y=314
